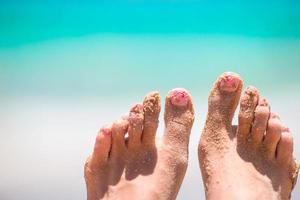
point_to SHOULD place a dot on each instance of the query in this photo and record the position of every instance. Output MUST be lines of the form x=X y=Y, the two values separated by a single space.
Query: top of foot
x=142 y=166
x=256 y=155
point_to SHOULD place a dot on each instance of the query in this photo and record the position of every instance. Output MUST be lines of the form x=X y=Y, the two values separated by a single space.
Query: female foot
x=141 y=166
x=253 y=160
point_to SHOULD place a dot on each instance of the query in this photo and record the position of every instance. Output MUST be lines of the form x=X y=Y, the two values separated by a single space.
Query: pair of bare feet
x=253 y=160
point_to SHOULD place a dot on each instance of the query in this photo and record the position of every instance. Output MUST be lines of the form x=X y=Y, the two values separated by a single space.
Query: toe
x=101 y=148
x=284 y=152
x=119 y=129
x=151 y=113
x=223 y=101
x=272 y=136
x=179 y=117
x=248 y=104
x=261 y=116
x=135 y=127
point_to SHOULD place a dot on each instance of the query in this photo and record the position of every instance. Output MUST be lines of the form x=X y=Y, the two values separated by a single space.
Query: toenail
x=179 y=97
x=105 y=131
x=229 y=82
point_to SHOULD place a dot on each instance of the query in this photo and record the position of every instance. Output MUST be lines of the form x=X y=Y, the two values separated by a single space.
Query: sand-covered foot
x=141 y=166
x=253 y=160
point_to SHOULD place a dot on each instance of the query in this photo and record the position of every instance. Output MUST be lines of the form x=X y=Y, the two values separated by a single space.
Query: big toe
x=223 y=100
x=178 y=117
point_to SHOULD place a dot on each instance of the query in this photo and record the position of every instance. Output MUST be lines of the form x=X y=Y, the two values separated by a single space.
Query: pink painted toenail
x=179 y=97
x=105 y=131
x=229 y=82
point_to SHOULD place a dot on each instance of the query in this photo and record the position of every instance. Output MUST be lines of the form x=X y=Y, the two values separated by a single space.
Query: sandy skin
x=253 y=160
x=142 y=166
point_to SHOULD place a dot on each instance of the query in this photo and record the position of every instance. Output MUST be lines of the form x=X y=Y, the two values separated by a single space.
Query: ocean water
x=68 y=68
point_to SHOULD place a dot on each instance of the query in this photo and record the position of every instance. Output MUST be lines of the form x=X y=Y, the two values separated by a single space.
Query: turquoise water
x=113 y=64
x=49 y=47
x=23 y=22
x=68 y=68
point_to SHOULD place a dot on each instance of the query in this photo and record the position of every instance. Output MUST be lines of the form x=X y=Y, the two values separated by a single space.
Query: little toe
x=285 y=147
x=248 y=104
x=119 y=129
x=178 y=117
x=101 y=148
x=223 y=101
x=151 y=114
x=135 y=127
x=261 y=116
x=272 y=136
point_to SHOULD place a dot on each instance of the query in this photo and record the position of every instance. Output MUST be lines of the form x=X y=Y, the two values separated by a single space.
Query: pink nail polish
x=179 y=97
x=229 y=82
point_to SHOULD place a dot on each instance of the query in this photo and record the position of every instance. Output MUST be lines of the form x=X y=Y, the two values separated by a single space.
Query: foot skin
x=142 y=166
x=253 y=160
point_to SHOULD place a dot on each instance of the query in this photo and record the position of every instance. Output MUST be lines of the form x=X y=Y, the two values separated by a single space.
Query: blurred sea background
x=69 y=67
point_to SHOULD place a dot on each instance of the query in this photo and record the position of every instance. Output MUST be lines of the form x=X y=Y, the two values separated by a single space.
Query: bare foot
x=142 y=166
x=253 y=160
